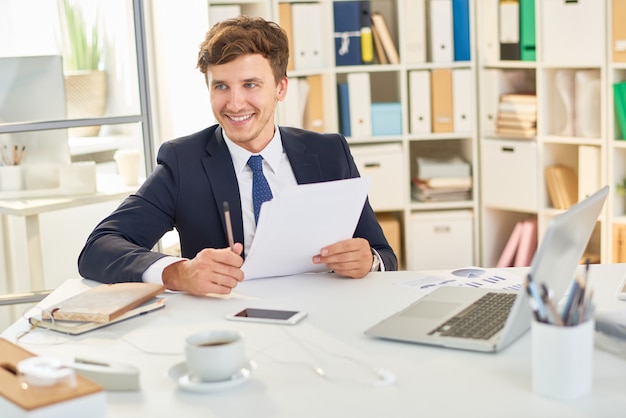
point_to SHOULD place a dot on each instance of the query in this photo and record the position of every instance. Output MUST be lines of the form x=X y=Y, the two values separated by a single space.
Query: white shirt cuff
x=154 y=273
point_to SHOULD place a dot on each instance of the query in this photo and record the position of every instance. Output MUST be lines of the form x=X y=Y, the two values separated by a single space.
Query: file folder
x=307 y=36
x=360 y=98
x=347 y=18
x=419 y=102
x=527 y=30
x=344 y=108
x=314 y=111
x=441 y=99
x=461 y=30
x=415 y=31
x=619 y=30
x=509 y=30
x=441 y=33
x=462 y=99
x=285 y=20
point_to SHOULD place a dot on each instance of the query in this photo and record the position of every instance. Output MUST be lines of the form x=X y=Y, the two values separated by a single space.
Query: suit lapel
x=220 y=173
x=305 y=166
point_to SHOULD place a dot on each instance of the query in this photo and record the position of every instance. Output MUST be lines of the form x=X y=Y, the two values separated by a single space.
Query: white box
x=573 y=32
x=441 y=240
x=383 y=163
x=509 y=174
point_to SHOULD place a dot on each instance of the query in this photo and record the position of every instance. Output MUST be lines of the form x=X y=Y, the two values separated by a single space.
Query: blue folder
x=461 y=30
x=347 y=17
x=344 y=108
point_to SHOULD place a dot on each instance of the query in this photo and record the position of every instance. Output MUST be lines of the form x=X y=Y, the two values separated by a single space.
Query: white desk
x=430 y=382
x=109 y=188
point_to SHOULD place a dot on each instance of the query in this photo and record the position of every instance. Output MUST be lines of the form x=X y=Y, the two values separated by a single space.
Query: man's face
x=244 y=96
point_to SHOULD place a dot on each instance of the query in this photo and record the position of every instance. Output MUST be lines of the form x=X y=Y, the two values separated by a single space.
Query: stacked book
x=562 y=185
x=442 y=179
x=517 y=115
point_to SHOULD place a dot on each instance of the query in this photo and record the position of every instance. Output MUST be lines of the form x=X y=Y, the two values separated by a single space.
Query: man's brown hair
x=232 y=38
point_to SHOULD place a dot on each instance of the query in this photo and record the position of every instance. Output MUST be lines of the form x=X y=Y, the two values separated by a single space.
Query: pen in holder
x=562 y=340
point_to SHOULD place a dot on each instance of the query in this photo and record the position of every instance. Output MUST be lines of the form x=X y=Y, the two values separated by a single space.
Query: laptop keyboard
x=481 y=320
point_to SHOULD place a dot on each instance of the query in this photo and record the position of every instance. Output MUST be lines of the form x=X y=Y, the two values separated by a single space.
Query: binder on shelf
x=619 y=30
x=619 y=98
x=527 y=30
x=461 y=30
x=462 y=103
x=344 y=108
x=419 y=102
x=367 y=37
x=507 y=257
x=589 y=170
x=440 y=31
x=314 y=111
x=307 y=36
x=415 y=31
x=527 y=243
x=291 y=109
x=489 y=28
x=378 y=22
x=441 y=100
x=360 y=99
x=509 y=30
x=619 y=243
x=285 y=20
x=347 y=20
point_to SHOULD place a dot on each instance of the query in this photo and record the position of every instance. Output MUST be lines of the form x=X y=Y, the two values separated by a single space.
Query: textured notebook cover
x=103 y=303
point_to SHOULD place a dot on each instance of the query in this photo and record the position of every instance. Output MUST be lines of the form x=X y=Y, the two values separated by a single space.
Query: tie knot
x=256 y=163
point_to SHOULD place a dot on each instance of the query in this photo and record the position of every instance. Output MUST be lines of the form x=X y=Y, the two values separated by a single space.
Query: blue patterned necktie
x=261 y=191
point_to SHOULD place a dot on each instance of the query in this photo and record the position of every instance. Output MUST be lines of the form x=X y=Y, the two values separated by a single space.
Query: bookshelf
x=571 y=76
x=401 y=128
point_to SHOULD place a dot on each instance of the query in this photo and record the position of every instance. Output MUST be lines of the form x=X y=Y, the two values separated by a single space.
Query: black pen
x=229 y=226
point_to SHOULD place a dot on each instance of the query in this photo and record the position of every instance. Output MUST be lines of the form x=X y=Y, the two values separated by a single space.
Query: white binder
x=415 y=31
x=307 y=36
x=441 y=34
x=360 y=98
x=419 y=102
x=462 y=101
x=564 y=111
x=589 y=170
x=489 y=31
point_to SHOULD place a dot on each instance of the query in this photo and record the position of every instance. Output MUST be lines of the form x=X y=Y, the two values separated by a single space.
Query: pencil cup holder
x=10 y=178
x=562 y=359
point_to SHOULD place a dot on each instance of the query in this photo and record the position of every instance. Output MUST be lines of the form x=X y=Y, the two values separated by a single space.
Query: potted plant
x=85 y=81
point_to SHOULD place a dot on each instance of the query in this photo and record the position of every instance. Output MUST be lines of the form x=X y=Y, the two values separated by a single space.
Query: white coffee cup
x=127 y=161
x=214 y=355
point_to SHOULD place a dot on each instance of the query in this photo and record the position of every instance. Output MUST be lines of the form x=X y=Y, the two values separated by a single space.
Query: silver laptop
x=433 y=319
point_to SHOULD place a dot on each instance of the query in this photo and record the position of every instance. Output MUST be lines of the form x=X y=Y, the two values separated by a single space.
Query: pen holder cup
x=11 y=178
x=562 y=359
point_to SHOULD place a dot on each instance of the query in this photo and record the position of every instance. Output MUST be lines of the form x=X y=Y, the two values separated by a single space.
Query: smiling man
x=244 y=159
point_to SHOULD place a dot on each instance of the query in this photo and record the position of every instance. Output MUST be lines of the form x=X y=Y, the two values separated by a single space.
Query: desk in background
x=430 y=382
x=109 y=188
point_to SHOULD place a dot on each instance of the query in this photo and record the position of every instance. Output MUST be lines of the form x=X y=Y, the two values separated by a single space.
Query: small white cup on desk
x=11 y=178
x=127 y=161
x=214 y=355
x=562 y=359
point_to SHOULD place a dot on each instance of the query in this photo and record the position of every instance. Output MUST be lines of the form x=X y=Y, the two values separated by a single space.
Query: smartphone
x=621 y=293
x=268 y=316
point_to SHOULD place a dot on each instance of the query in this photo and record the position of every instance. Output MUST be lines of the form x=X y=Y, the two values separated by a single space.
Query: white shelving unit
x=570 y=46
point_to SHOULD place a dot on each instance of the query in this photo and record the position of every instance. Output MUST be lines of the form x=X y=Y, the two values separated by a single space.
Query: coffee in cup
x=214 y=355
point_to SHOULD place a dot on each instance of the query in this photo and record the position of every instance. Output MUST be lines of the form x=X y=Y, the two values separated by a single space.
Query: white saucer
x=180 y=374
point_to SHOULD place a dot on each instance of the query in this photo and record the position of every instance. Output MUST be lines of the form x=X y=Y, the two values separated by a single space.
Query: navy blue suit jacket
x=193 y=177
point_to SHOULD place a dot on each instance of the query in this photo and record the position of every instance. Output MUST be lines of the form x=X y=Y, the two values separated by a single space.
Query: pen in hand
x=229 y=226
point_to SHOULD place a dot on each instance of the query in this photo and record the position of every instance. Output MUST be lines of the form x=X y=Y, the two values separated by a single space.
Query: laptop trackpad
x=431 y=309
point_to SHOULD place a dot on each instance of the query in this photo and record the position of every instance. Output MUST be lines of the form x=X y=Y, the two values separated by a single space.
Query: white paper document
x=294 y=226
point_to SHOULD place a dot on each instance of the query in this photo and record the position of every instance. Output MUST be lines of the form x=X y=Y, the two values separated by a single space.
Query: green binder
x=619 y=97
x=527 y=30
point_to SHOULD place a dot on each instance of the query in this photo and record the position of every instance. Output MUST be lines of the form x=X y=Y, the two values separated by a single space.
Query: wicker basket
x=86 y=97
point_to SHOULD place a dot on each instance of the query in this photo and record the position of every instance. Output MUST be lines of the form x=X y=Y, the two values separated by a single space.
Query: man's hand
x=210 y=271
x=350 y=258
